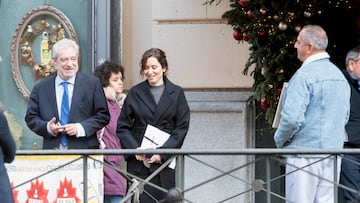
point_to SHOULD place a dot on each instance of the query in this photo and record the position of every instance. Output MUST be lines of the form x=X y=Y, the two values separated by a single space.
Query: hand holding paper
x=154 y=138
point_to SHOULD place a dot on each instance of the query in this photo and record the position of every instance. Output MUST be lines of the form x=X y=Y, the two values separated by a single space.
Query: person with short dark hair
x=112 y=77
x=162 y=104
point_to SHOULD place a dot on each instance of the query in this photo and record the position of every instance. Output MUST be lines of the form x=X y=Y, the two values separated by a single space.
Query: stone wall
x=220 y=119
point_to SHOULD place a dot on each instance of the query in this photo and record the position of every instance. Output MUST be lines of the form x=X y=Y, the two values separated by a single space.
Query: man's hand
x=55 y=127
x=70 y=129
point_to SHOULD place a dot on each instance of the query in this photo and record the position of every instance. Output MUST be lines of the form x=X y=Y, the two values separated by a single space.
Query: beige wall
x=199 y=45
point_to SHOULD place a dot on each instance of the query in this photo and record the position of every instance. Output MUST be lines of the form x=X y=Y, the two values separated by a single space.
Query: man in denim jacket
x=314 y=114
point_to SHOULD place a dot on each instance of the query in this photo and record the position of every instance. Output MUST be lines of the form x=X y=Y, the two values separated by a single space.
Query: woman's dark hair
x=104 y=71
x=156 y=53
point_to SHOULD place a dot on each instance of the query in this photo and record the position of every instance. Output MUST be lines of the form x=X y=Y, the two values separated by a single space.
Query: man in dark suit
x=74 y=125
x=350 y=168
x=7 y=154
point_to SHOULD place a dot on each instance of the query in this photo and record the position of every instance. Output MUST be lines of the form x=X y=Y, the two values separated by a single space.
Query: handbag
x=102 y=144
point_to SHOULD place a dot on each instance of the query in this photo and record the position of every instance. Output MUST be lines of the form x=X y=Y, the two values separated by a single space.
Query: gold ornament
x=282 y=26
x=263 y=71
x=307 y=14
x=297 y=28
x=61 y=34
x=54 y=33
x=57 y=27
x=42 y=25
x=263 y=11
x=26 y=53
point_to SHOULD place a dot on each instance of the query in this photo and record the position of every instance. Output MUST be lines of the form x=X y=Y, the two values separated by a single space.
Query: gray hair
x=353 y=54
x=316 y=36
x=64 y=43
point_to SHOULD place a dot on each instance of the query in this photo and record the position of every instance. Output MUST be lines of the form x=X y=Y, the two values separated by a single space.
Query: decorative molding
x=218 y=101
x=31 y=26
x=191 y=21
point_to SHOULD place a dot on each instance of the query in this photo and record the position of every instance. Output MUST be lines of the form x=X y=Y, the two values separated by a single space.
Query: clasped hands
x=55 y=127
x=156 y=158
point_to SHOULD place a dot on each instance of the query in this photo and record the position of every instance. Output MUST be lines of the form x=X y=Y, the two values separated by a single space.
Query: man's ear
x=351 y=66
x=309 y=48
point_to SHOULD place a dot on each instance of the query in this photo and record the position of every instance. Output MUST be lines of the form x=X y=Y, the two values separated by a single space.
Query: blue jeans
x=112 y=198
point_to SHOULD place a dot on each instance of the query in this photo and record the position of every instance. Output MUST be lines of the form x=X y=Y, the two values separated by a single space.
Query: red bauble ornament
x=238 y=35
x=260 y=33
x=265 y=103
x=246 y=37
x=249 y=15
x=243 y=3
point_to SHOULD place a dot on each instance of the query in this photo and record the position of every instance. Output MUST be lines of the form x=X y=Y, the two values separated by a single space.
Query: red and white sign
x=55 y=179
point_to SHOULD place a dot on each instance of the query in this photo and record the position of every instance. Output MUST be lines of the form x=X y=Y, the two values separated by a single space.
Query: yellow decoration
x=51 y=34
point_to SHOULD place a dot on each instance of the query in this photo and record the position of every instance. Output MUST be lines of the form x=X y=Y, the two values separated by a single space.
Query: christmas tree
x=270 y=27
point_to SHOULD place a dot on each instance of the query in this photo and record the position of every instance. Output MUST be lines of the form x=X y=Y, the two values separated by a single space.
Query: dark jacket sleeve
x=125 y=125
x=7 y=142
x=92 y=117
x=40 y=107
x=352 y=127
x=181 y=123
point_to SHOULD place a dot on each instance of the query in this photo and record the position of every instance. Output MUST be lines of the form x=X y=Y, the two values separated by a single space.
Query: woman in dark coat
x=158 y=102
x=7 y=154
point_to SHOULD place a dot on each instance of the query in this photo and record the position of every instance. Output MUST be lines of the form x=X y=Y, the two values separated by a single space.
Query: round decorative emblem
x=31 y=45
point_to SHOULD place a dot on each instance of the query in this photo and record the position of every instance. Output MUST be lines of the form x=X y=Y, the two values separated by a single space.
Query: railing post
x=179 y=173
x=335 y=178
x=85 y=177
x=268 y=183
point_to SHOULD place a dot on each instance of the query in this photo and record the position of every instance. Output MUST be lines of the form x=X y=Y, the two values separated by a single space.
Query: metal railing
x=180 y=193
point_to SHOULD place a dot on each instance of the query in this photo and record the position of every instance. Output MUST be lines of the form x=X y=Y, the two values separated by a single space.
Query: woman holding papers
x=161 y=105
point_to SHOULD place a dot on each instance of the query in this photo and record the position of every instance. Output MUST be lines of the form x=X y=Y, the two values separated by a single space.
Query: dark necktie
x=65 y=107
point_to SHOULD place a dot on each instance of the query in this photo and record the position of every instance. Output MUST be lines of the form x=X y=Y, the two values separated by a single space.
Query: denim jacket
x=316 y=107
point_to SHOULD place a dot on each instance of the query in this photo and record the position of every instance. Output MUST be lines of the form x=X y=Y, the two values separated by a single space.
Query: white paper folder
x=154 y=138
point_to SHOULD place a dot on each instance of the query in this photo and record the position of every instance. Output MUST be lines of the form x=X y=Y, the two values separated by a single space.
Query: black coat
x=7 y=154
x=353 y=126
x=172 y=115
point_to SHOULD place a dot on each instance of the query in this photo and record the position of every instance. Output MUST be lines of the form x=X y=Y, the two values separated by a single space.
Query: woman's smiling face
x=154 y=72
